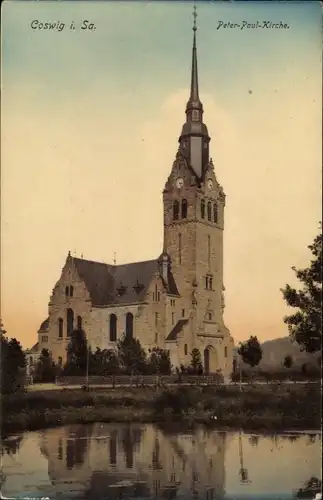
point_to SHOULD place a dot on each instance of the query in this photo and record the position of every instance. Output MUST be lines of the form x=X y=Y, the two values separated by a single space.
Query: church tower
x=194 y=221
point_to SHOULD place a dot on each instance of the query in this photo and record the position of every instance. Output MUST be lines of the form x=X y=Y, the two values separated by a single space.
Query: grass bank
x=269 y=408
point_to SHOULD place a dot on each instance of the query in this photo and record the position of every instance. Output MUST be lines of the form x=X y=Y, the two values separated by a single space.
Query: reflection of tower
x=243 y=471
x=127 y=442
x=113 y=447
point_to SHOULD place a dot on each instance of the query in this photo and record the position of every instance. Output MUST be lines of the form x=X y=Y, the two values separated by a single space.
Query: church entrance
x=210 y=360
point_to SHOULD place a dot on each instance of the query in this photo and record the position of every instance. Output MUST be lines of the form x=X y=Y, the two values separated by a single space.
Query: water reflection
x=142 y=461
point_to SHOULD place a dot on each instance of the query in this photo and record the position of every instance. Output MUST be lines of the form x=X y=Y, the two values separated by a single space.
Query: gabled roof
x=44 y=325
x=34 y=348
x=171 y=286
x=98 y=279
x=177 y=329
x=123 y=284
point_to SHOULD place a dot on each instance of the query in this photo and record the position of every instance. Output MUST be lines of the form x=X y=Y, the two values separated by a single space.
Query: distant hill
x=274 y=352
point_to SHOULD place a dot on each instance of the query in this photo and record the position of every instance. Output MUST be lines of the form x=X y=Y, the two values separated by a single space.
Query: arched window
x=70 y=322
x=60 y=327
x=66 y=291
x=79 y=322
x=113 y=327
x=71 y=291
x=129 y=324
x=184 y=209
x=209 y=211
x=175 y=210
x=202 y=209
x=215 y=212
x=185 y=349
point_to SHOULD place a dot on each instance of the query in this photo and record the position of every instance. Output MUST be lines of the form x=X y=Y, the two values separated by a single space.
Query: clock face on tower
x=210 y=184
x=179 y=182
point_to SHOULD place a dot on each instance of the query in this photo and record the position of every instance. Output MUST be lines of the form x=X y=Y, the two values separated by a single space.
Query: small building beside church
x=174 y=302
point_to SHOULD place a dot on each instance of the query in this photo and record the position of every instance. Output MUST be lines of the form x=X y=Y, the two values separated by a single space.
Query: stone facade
x=175 y=302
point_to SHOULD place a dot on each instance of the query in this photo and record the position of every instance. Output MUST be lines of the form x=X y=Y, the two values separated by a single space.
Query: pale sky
x=90 y=123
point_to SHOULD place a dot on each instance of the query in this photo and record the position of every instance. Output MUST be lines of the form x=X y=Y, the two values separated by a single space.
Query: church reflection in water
x=114 y=461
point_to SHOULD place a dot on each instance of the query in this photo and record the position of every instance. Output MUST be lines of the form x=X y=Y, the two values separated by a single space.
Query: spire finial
x=194 y=17
x=114 y=258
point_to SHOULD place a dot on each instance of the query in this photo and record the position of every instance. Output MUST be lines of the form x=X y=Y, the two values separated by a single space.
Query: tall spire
x=194 y=77
x=194 y=100
x=194 y=139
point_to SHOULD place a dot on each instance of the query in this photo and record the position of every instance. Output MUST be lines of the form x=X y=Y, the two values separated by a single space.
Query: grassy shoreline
x=255 y=408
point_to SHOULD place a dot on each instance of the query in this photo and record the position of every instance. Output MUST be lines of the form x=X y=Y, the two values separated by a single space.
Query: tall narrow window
x=184 y=209
x=79 y=322
x=206 y=282
x=225 y=352
x=209 y=211
x=180 y=248
x=209 y=250
x=113 y=327
x=210 y=282
x=60 y=327
x=185 y=349
x=202 y=209
x=71 y=291
x=156 y=318
x=129 y=324
x=215 y=213
x=67 y=291
x=175 y=210
x=70 y=322
x=173 y=318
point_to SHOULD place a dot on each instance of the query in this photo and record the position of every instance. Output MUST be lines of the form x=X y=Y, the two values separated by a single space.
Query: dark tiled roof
x=44 y=326
x=98 y=280
x=123 y=284
x=177 y=329
x=171 y=286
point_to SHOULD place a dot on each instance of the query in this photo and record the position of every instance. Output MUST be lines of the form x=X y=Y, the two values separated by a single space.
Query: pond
x=107 y=461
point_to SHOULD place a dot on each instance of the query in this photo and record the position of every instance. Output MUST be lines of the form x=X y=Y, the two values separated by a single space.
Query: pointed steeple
x=194 y=139
x=194 y=100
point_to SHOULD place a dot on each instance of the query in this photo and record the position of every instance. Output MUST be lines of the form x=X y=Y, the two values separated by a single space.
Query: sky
x=90 y=121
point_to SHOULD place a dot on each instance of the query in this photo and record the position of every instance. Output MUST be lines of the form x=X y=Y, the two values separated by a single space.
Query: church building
x=174 y=302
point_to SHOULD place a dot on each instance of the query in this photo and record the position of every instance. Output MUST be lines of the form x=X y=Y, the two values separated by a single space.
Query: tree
x=13 y=363
x=77 y=354
x=305 y=325
x=196 y=362
x=288 y=361
x=250 y=351
x=103 y=362
x=159 y=362
x=131 y=355
x=45 y=370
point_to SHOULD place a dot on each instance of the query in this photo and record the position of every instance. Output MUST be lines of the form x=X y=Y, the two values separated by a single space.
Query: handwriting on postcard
x=60 y=26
